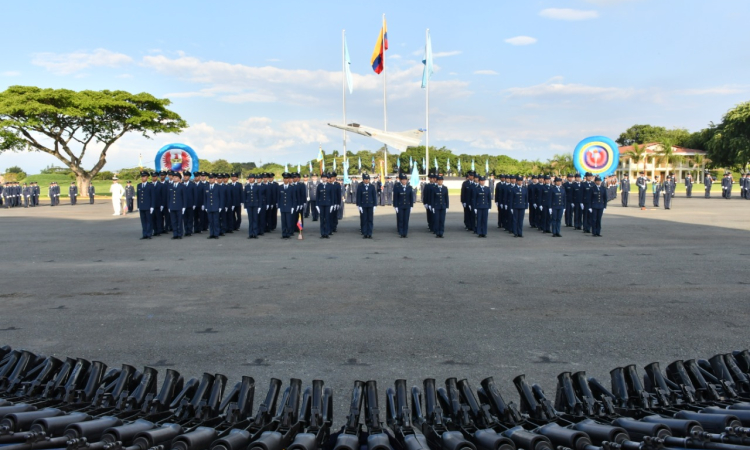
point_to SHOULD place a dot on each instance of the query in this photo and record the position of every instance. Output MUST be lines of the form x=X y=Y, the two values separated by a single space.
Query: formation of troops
x=13 y=195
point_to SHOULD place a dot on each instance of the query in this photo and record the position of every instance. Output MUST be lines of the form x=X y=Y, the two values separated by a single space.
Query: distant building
x=653 y=165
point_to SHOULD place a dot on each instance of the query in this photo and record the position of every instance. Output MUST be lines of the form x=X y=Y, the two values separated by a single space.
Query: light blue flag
x=346 y=172
x=411 y=162
x=427 y=61
x=286 y=167
x=436 y=165
x=459 y=164
x=334 y=164
x=424 y=164
x=472 y=165
x=448 y=165
x=359 y=164
x=398 y=163
x=414 y=181
x=298 y=168
x=310 y=166
x=349 y=82
x=486 y=166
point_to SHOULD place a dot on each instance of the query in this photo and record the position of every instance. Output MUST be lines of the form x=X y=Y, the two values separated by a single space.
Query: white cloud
x=610 y=2
x=718 y=90
x=10 y=73
x=485 y=72
x=273 y=60
x=420 y=53
x=568 y=14
x=555 y=88
x=68 y=63
x=521 y=40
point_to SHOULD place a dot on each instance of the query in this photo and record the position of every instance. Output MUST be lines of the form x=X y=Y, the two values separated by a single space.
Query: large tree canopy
x=65 y=123
x=728 y=143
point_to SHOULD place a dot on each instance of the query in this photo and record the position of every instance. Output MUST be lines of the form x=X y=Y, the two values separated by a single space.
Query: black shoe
x=249 y=237
x=364 y=237
x=174 y=238
x=323 y=237
x=230 y=232
x=405 y=237
x=197 y=232
x=221 y=234
x=189 y=234
x=145 y=237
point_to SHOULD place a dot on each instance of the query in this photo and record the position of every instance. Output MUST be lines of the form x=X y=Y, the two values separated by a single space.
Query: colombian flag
x=378 y=55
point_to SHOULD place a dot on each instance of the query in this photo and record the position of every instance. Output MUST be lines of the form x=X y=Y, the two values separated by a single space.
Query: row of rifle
x=76 y=404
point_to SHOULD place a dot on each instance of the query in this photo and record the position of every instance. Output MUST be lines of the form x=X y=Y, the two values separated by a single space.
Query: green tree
x=65 y=123
x=221 y=166
x=640 y=134
x=666 y=153
x=18 y=173
x=639 y=154
x=729 y=144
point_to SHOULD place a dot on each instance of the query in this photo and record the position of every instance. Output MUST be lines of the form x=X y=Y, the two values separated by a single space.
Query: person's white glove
x=534 y=205
x=193 y=207
x=225 y=209
x=433 y=209
x=475 y=210
x=318 y=208
x=232 y=207
x=308 y=199
x=511 y=211
x=183 y=210
x=464 y=204
x=360 y=209
x=395 y=209
x=151 y=211
x=411 y=209
x=572 y=205
x=590 y=210
x=267 y=206
x=331 y=209
x=258 y=210
x=581 y=205
x=550 y=210
x=541 y=208
x=161 y=208
x=374 y=208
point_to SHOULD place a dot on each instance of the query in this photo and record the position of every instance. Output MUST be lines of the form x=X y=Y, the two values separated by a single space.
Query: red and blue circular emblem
x=596 y=154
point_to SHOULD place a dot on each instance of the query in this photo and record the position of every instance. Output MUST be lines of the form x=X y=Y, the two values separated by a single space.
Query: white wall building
x=653 y=165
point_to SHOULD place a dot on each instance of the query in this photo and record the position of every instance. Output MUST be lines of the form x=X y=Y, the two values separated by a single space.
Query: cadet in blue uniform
x=482 y=201
x=73 y=193
x=568 y=188
x=212 y=204
x=519 y=201
x=427 y=191
x=544 y=206
x=557 y=204
x=366 y=202
x=625 y=190
x=335 y=201
x=576 y=202
x=324 y=200
x=688 y=186
x=189 y=196
x=656 y=186
x=287 y=205
x=499 y=199
x=146 y=205
x=253 y=199
x=439 y=203
x=668 y=188
x=176 y=205
x=465 y=199
x=641 y=182
x=26 y=192
x=586 y=187
x=129 y=197
x=403 y=202
x=533 y=193
x=198 y=212
x=597 y=205
x=237 y=194
x=92 y=192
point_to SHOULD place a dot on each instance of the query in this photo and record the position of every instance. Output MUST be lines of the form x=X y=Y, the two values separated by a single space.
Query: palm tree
x=562 y=163
x=667 y=155
x=639 y=154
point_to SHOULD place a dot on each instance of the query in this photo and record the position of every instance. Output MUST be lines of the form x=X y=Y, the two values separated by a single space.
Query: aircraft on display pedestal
x=399 y=140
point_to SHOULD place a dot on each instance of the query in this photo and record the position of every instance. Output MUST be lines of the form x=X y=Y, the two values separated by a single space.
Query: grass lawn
x=101 y=187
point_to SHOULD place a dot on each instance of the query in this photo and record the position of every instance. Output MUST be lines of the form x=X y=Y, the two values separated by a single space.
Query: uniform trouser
x=596 y=225
x=439 y=222
x=176 y=219
x=287 y=224
x=325 y=214
x=73 y=200
x=237 y=217
x=402 y=220
x=708 y=192
x=204 y=221
x=624 y=198
x=130 y=204
x=26 y=201
x=578 y=216
x=532 y=216
x=569 y=216
x=689 y=191
x=667 y=201
x=340 y=213
x=642 y=198
x=333 y=219
x=367 y=220
x=482 y=217
x=252 y=221
x=499 y=216
x=262 y=221
x=729 y=193
x=167 y=221
x=269 y=219
x=656 y=199
x=187 y=220
x=586 y=218
x=91 y=199
x=228 y=224
x=198 y=219
x=472 y=220
x=518 y=214
x=544 y=224
x=431 y=220
x=116 y=205
x=146 y=222
x=311 y=205
x=274 y=217
x=466 y=217
x=213 y=223
x=555 y=220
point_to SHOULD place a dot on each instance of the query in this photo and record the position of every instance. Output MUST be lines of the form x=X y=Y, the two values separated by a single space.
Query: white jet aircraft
x=399 y=140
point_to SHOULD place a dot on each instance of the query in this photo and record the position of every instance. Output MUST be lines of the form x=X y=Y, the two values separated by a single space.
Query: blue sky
x=258 y=81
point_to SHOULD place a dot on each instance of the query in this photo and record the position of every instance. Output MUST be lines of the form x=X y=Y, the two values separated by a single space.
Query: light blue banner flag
x=436 y=165
x=349 y=82
x=334 y=164
x=486 y=166
x=411 y=162
x=424 y=165
x=414 y=181
x=472 y=165
x=448 y=165
x=286 y=167
x=427 y=61
x=346 y=172
x=359 y=164
x=459 y=165
x=398 y=163
x=310 y=165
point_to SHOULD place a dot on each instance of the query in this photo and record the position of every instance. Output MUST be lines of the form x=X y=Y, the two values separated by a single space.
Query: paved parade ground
x=659 y=285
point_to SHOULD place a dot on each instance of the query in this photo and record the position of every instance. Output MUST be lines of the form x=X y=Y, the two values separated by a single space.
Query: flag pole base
x=299 y=236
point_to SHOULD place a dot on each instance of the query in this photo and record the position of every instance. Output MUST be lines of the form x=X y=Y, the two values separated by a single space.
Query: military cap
x=401 y=176
x=113 y=179
x=598 y=178
x=144 y=174
x=519 y=178
x=334 y=174
x=570 y=175
x=366 y=177
x=438 y=177
x=177 y=174
x=250 y=175
x=211 y=175
x=481 y=178
x=558 y=179
x=578 y=175
x=128 y=182
x=534 y=177
x=187 y=173
x=285 y=175
x=589 y=174
x=546 y=177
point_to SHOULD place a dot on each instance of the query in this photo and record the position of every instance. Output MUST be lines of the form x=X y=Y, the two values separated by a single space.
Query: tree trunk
x=83 y=182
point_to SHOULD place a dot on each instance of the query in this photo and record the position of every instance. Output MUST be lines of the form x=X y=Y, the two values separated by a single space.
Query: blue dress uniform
x=335 y=202
x=145 y=192
x=198 y=197
x=189 y=196
x=165 y=201
x=624 y=190
x=688 y=186
x=439 y=203
x=586 y=187
x=227 y=224
x=403 y=201
x=253 y=199
x=534 y=200
x=366 y=202
x=557 y=204
x=324 y=201
x=427 y=192
x=212 y=202
x=518 y=204
x=668 y=189
x=708 y=181
x=543 y=210
x=499 y=199
x=482 y=202
x=92 y=192
x=576 y=200
x=176 y=208
x=568 y=188
x=237 y=195
x=73 y=194
x=656 y=186
x=597 y=204
x=465 y=200
x=288 y=203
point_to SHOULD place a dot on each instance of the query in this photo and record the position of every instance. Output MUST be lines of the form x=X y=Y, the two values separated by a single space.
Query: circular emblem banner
x=596 y=154
x=176 y=157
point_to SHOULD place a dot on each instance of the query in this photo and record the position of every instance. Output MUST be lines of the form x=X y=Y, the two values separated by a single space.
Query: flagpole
x=385 y=104
x=427 y=107
x=343 y=80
